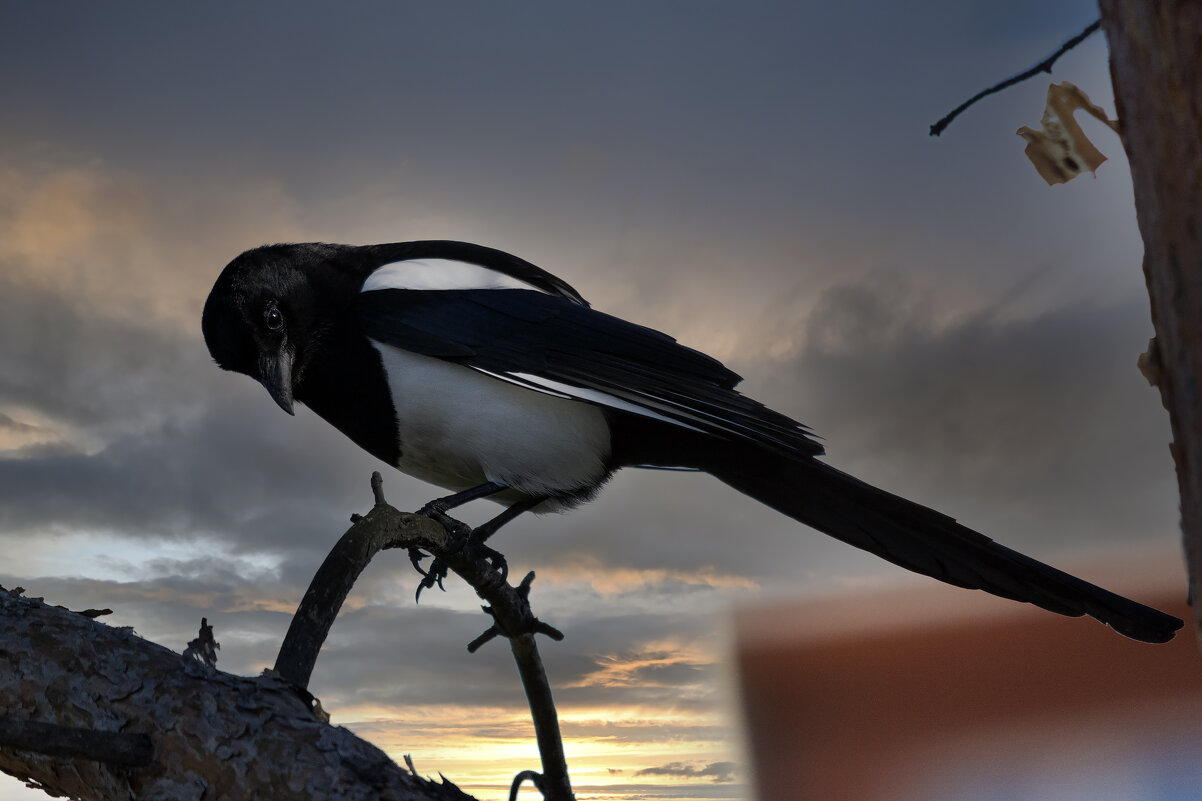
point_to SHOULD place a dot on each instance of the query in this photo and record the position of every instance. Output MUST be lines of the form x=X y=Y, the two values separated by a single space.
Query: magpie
x=477 y=371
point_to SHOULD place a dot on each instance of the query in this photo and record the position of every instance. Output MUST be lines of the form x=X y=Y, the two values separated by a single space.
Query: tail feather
x=925 y=541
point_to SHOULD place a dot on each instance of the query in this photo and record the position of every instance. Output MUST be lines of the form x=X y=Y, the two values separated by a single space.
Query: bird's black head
x=270 y=306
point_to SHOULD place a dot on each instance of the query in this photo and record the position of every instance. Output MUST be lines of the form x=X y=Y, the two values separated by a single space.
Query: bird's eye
x=273 y=318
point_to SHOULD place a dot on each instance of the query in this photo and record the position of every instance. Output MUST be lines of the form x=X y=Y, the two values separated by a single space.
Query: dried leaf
x=1061 y=151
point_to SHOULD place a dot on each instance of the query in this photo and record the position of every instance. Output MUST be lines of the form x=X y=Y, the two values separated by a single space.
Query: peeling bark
x=214 y=735
x=1157 y=73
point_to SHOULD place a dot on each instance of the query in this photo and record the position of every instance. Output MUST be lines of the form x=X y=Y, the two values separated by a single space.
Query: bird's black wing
x=551 y=345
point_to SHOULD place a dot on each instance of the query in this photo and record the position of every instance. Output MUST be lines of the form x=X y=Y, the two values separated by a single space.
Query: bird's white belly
x=459 y=428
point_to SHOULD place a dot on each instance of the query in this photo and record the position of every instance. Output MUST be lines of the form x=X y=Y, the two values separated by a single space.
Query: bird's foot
x=457 y=533
x=496 y=559
x=460 y=538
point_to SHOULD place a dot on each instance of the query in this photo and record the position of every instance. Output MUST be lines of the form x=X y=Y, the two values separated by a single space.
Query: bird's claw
x=415 y=558
x=430 y=578
x=458 y=533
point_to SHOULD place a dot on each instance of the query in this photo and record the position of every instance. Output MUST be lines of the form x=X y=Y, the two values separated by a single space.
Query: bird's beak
x=275 y=374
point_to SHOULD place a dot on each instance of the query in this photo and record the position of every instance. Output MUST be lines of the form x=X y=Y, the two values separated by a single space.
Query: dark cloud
x=84 y=368
x=168 y=611
x=715 y=771
x=1038 y=423
x=416 y=656
x=145 y=437
x=220 y=474
x=411 y=659
x=17 y=426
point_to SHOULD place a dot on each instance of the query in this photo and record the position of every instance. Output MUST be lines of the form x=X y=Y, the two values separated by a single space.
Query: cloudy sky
x=754 y=178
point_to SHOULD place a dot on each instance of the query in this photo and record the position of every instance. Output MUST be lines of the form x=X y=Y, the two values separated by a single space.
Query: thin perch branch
x=522 y=778
x=1043 y=66
x=384 y=528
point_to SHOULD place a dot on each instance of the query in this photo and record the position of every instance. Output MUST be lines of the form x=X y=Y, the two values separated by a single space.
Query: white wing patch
x=440 y=274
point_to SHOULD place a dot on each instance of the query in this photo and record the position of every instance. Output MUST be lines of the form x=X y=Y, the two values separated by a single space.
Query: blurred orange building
x=947 y=694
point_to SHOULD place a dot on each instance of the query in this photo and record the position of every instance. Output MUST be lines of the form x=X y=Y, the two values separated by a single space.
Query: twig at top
x=1043 y=66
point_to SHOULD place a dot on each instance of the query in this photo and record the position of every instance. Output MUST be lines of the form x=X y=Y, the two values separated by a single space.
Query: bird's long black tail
x=925 y=541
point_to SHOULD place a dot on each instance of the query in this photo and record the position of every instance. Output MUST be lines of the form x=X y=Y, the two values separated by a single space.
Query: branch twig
x=385 y=528
x=522 y=778
x=1043 y=66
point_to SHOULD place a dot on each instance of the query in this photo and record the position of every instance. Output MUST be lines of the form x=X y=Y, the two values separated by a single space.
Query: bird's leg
x=485 y=530
x=437 y=510
x=440 y=506
x=482 y=532
x=461 y=535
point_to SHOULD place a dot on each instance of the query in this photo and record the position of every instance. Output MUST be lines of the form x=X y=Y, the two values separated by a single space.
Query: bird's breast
x=458 y=428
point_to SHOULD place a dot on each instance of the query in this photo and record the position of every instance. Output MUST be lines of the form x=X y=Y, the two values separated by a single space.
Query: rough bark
x=212 y=734
x=1156 y=67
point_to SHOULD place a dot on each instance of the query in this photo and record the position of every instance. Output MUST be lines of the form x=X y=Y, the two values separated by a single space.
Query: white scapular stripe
x=596 y=396
x=524 y=384
x=440 y=274
x=642 y=403
x=559 y=389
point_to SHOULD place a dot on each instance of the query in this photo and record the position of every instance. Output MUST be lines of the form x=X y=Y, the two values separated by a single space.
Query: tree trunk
x=210 y=734
x=1156 y=66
